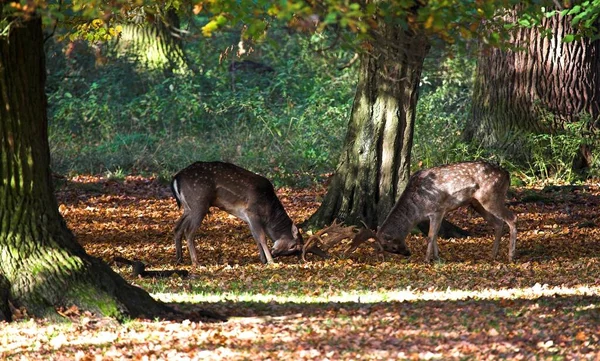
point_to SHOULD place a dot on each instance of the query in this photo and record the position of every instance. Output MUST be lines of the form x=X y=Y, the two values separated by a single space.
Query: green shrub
x=551 y=157
x=287 y=124
x=442 y=112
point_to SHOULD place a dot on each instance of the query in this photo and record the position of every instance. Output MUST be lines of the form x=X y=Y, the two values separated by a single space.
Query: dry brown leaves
x=546 y=305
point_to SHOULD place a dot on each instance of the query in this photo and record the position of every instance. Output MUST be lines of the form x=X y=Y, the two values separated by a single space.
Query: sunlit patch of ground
x=545 y=305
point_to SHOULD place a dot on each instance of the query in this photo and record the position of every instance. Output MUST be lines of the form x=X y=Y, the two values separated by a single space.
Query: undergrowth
x=287 y=122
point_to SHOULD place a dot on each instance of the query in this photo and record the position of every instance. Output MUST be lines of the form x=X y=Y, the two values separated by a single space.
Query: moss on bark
x=42 y=266
x=375 y=162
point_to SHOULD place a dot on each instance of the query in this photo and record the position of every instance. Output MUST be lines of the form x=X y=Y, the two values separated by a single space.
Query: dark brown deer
x=241 y=193
x=431 y=193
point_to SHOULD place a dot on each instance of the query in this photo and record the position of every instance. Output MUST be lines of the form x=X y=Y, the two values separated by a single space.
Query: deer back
x=242 y=193
x=445 y=188
x=439 y=190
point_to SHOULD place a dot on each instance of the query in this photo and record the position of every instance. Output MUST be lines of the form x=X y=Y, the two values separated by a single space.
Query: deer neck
x=278 y=221
x=402 y=218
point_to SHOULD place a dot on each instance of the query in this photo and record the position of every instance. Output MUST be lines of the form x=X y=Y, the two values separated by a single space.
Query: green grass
x=288 y=125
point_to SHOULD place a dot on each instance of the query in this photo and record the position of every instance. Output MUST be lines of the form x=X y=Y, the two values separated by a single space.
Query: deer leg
x=497 y=216
x=179 y=232
x=511 y=220
x=495 y=222
x=261 y=241
x=499 y=230
x=508 y=217
x=195 y=220
x=435 y=221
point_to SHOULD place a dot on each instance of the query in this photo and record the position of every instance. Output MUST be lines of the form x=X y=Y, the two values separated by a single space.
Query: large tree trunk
x=156 y=45
x=42 y=267
x=518 y=92
x=375 y=163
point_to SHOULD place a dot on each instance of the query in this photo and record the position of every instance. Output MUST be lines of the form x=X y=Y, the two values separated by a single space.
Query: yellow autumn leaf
x=96 y=23
x=428 y=22
x=197 y=9
x=465 y=33
x=208 y=29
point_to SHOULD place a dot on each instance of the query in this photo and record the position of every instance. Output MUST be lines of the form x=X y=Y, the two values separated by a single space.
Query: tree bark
x=154 y=44
x=539 y=90
x=375 y=163
x=42 y=267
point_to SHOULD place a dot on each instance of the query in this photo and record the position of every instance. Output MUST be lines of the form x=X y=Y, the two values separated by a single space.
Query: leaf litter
x=546 y=305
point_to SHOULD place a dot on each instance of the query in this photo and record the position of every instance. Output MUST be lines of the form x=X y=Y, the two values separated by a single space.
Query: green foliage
x=95 y=30
x=585 y=18
x=443 y=110
x=452 y=21
x=287 y=124
x=551 y=156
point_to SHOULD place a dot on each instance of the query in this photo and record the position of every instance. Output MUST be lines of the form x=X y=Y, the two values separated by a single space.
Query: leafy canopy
x=450 y=20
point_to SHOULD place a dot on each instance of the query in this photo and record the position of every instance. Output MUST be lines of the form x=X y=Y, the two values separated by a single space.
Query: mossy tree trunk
x=42 y=267
x=155 y=44
x=539 y=89
x=375 y=163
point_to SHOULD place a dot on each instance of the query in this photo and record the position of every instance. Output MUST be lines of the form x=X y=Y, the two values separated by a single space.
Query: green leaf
x=494 y=38
x=525 y=22
x=568 y=38
x=575 y=10
x=331 y=18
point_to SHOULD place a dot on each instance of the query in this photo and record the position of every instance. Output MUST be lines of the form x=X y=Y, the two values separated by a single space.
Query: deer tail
x=175 y=190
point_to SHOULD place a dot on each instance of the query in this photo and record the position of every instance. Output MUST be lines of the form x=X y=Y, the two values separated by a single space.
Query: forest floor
x=544 y=305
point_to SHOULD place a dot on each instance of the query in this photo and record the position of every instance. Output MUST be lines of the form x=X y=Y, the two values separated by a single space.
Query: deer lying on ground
x=432 y=193
x=241 y=193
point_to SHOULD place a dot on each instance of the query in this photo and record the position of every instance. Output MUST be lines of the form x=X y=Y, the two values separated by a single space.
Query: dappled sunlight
x=466 y=306
x=539 y=325
x=406 y=295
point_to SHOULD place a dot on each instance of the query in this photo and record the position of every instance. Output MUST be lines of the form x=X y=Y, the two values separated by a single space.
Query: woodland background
x=119 y=129
x=284 y=116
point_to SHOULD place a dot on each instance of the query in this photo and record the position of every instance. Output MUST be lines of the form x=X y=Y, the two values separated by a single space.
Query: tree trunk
x=42 y=267
x=155 y=44
x=537 y=90
x=375 y=163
